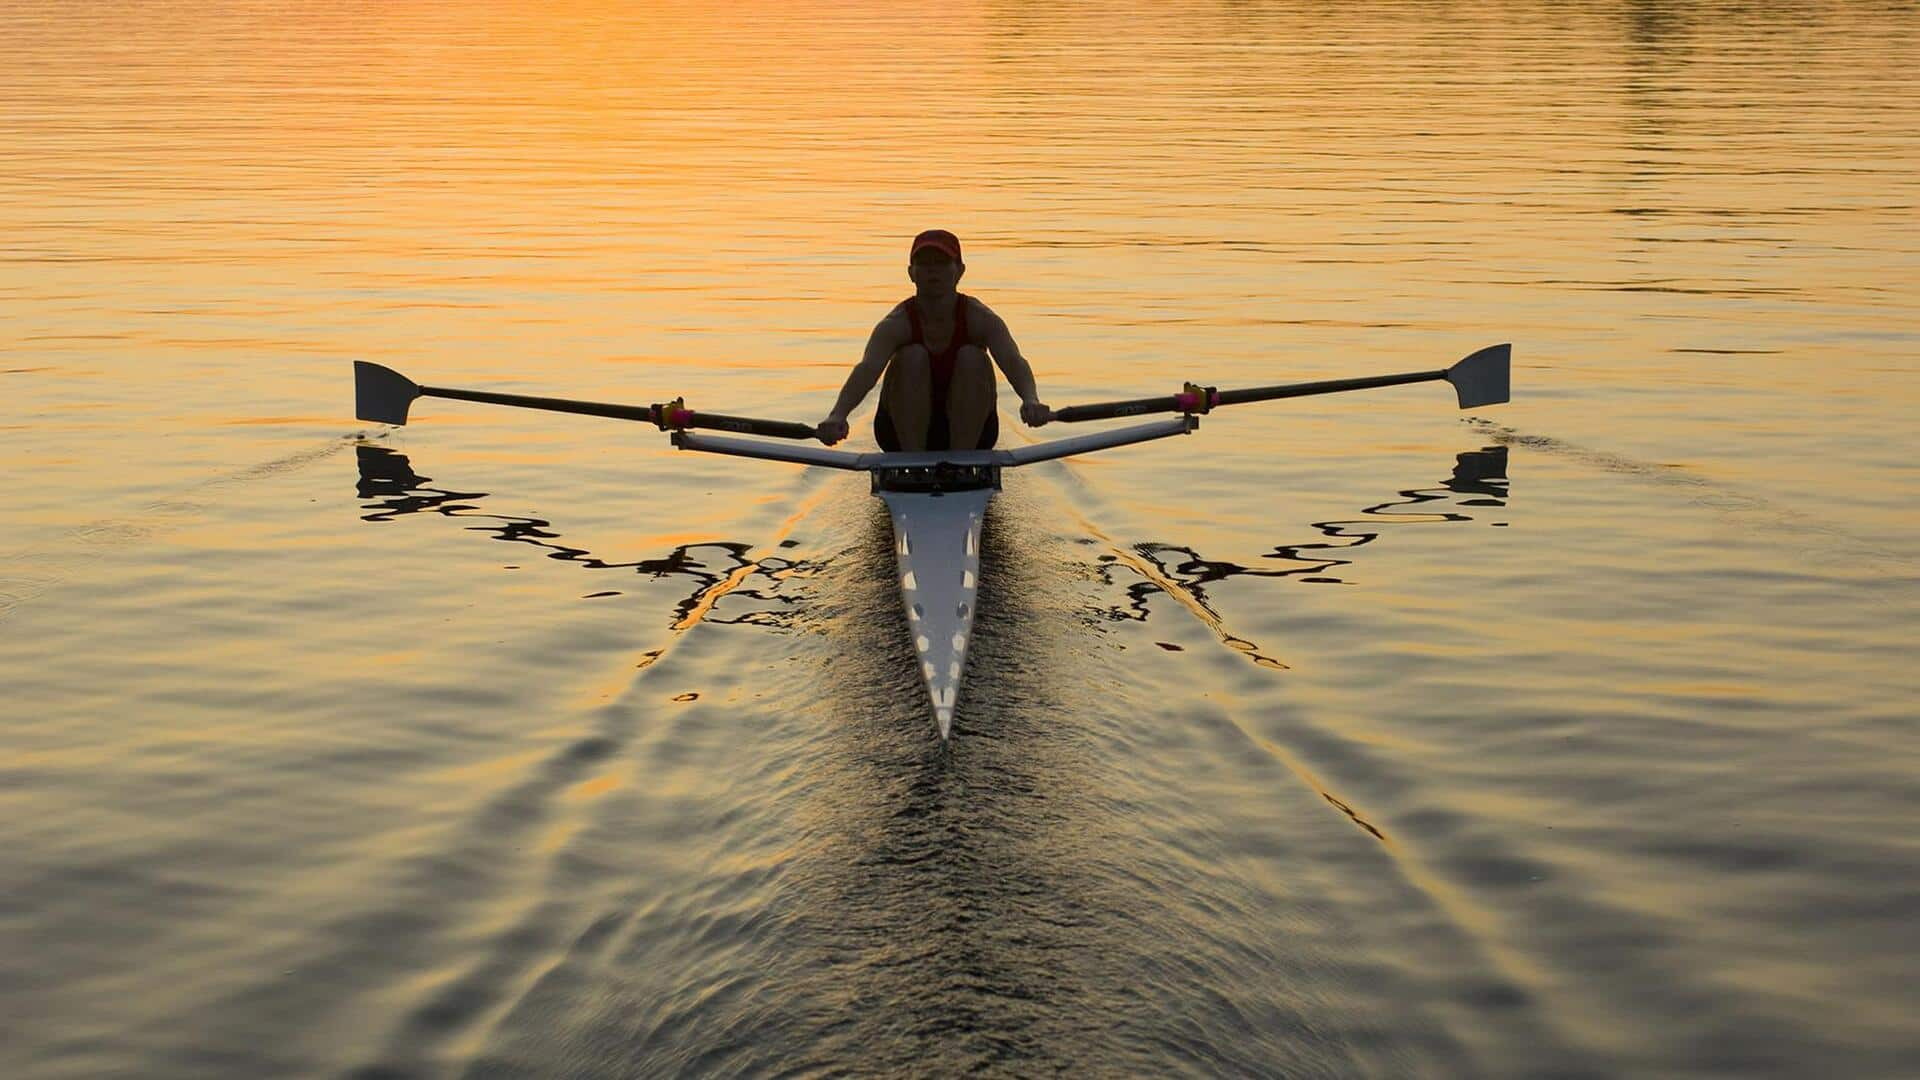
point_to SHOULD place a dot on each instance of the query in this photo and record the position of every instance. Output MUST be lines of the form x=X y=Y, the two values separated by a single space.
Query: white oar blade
x=1485 y=378
x=380 y=394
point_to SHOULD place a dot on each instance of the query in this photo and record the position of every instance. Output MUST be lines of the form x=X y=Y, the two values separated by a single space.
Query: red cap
x=939 y=240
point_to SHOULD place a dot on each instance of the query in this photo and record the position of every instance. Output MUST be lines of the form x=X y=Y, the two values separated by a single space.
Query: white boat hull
x=936 y=542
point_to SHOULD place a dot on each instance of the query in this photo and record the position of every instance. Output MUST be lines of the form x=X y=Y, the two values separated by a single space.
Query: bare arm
x=886 y=339
x=1006 y=355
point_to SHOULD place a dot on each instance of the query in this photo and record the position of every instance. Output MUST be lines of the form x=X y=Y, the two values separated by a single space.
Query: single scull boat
x=938 y=500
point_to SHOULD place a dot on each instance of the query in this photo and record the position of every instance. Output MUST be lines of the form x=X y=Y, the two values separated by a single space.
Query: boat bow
x=936 y=544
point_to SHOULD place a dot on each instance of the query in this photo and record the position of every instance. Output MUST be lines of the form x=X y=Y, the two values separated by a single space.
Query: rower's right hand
x=831 y=430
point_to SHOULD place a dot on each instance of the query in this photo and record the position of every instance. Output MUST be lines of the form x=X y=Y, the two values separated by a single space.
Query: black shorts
x=937 y=436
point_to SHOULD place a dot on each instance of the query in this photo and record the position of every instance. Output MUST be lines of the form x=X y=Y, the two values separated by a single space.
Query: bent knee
x=912 y=359
x=971 y=358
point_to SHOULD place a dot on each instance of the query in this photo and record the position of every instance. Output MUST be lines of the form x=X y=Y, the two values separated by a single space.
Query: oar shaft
x=651 y=414
x=1189 y=402
x=584 y=408
x=1329 y=386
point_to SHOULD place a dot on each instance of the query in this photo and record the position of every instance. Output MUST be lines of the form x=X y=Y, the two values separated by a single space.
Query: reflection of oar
x=383 y=395
x=1480 y=379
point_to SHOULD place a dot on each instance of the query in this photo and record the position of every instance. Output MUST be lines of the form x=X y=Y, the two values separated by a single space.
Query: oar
x=383 y=396
x=1480 y=379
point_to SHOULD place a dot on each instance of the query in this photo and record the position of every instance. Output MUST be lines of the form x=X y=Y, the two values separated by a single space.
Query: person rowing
x=934 y=356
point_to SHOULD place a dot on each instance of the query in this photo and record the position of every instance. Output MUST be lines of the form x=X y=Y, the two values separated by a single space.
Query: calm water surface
x=1350 y=736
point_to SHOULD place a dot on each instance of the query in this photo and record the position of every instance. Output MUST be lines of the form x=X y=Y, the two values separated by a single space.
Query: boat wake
x=25 y=576
x=1753 y=512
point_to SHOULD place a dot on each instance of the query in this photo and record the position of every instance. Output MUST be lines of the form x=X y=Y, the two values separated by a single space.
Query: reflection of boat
x=937 y=500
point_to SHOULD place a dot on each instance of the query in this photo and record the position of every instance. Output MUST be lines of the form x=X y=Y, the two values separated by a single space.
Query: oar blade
x=380 y=394
x=1485 y=378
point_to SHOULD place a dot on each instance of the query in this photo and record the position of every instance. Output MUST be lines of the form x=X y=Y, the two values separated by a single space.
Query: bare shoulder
x=895 y=328
x=982 y=322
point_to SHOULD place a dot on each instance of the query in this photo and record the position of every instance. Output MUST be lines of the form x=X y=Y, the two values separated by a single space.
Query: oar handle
x=680 y=418
x=1107 y=410
x=1190 y=399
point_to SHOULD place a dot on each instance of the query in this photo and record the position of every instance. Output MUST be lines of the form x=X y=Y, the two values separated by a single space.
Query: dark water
x=1348 y=736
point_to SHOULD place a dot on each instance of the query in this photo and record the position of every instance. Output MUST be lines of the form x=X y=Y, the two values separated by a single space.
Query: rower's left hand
x=1033 y=413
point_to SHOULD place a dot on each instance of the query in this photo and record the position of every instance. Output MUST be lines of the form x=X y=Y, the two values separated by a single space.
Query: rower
x=934 y=356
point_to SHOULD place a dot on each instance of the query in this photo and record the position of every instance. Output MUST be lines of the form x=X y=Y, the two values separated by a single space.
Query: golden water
x=1350 y=735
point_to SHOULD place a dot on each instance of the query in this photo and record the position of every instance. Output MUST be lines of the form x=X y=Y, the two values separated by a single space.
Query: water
x=1350 y=735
